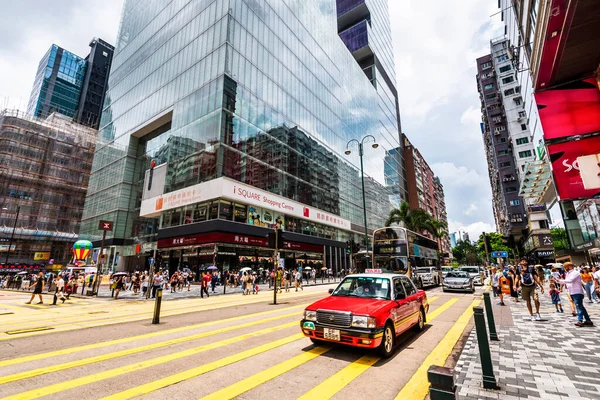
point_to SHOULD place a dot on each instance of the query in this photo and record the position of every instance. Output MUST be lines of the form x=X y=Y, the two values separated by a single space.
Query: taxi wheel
x=386 y=348
x=421 y=324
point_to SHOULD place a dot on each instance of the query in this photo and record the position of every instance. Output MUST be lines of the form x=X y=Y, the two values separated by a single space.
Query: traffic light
x=349 y=247
x=355 y=247
x=271 y=239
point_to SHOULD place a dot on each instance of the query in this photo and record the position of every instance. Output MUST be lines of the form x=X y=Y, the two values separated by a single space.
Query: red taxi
x=367 y=310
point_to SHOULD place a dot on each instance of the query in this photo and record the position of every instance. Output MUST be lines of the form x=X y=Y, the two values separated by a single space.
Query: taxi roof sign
x=373 y=271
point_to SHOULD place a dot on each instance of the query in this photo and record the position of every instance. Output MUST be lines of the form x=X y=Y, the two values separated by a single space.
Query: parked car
x=475 y=273
x=458 y=280
x=429 y=276
x=367 y=310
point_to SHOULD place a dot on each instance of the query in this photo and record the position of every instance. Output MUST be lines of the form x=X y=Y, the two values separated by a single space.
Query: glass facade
x=57 y=85
x=261 y=91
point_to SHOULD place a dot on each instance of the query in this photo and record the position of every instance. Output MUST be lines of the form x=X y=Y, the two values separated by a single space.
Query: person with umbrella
x=213 y=282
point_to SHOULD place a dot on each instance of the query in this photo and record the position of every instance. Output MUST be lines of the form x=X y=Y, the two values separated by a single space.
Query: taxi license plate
x=331 y=334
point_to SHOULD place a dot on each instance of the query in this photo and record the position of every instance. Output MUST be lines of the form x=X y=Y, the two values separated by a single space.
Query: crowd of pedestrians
x=526 y=283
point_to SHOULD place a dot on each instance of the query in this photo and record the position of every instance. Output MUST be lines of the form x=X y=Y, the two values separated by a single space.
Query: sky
x=435 y=44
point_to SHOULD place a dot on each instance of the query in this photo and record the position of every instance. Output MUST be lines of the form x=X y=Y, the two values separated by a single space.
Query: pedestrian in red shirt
x=204 y=285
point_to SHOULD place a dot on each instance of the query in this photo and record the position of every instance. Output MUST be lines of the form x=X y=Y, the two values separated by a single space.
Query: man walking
x=299 y=280
x=575 y=288
x=496 y=276
x=156 y=283
x=60 y=285
x=529 y=280
x=204 y=284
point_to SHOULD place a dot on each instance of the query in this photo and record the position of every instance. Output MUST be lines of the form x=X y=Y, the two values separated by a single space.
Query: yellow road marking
x=111 y=373
x=432 y=315
x=133 y=314
x=262 y=377
x=418 y=386
x=194 y=372
x=77 y=349
x=41 y=328
x=140 y=349
x=338 y=381
x=342 y=378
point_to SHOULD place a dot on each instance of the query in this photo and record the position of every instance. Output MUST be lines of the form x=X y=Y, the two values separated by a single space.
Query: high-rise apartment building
x=506 y=135
x=71 y=85
x=229 y=118
x=425 y=190
x=44 y=170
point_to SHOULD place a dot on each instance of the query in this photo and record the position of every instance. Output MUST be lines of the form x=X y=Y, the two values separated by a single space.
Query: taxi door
x=401 y=314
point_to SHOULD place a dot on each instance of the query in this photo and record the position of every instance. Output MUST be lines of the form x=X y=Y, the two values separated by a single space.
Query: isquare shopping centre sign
x=232 y=190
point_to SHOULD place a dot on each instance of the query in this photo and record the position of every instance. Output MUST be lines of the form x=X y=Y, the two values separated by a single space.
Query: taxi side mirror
x=330 y=291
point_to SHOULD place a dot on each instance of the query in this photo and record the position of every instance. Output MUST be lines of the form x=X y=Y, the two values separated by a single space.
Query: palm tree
x=415 y=220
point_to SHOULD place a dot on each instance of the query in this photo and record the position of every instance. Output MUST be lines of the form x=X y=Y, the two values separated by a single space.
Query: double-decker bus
x=397 y=249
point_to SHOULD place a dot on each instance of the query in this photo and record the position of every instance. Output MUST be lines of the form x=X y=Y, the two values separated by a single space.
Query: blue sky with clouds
x=435 y=43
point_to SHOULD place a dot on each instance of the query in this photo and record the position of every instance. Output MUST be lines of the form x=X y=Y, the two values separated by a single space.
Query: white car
x=429 y=276
x=474 y=273
x=445 y=271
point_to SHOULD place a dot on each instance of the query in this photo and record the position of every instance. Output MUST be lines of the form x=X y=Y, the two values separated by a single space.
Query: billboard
x=570 y=110
x=565 y=167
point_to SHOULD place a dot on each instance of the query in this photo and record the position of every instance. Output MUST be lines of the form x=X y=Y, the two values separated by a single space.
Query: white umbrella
x=307 y=268
x=245 y=269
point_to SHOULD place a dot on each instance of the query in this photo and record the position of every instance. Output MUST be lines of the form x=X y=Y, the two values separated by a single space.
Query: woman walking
x=39 y=288
x=512 y=280
x=119 y=285
x=588 y=284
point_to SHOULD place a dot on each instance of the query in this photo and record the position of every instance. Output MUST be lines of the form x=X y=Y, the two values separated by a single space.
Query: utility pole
x=487 y=250
x=276 y=265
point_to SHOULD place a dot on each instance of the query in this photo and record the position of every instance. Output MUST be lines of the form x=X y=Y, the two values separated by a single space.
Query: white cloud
x=471 y=210
x=454 y=175
x=471 y=116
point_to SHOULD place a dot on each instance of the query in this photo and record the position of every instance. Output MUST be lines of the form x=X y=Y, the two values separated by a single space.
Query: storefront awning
x=537 y=186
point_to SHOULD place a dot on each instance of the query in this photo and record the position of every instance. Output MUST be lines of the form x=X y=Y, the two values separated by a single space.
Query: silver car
x=458 y=280
x=474 y=273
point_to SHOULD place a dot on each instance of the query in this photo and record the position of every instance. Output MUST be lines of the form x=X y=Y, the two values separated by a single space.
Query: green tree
x=560 y=239
x=466 y=253
x=416 y=220
x=496 y=243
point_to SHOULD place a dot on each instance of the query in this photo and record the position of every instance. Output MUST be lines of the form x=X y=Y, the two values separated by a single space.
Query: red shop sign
x=313 y=248
x=213 y=237
x=565 y=167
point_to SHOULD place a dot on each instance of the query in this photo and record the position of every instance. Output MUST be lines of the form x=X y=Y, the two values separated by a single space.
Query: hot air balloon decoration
x=82 y=249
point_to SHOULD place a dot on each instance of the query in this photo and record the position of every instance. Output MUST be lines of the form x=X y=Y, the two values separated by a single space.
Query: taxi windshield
x=364 y=287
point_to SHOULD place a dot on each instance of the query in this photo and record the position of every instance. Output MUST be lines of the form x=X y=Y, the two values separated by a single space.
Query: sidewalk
x=550 y=359
x=105 y=291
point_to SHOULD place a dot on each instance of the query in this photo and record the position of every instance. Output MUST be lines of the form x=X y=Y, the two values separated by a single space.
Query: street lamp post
x=12 y=235
x=362 y=176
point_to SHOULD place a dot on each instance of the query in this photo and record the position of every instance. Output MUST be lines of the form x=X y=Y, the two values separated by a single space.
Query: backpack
x=527 y=278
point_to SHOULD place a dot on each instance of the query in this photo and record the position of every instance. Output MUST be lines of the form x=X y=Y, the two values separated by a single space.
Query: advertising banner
x=570 y=110
x=567 y=172
x=41 y=256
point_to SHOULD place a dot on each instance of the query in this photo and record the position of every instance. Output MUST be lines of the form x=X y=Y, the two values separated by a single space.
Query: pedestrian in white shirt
x=575 y=289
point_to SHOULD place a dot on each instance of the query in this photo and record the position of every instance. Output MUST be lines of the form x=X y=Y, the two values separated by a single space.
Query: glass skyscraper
x=57 y=84
x=245 y=107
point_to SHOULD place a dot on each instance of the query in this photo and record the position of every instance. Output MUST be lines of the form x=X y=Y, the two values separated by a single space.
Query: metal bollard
x=441 y=380
x=490 y=316
x=156 y=318
x=489 y=380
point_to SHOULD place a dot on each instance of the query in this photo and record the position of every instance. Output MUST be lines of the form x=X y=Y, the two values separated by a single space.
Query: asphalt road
x=217 y=348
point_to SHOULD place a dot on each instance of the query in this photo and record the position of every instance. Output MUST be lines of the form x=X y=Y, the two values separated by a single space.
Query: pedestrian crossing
x=86 y=313
x=253 y=356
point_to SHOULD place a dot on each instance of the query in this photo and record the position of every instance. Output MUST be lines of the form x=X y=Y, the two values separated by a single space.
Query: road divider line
x=262 y=377
x=340 y=380
x=418 y=386
x=135 y=350
x=111 y=373
x=195 y=372
x=433 y=315
x=58 y=353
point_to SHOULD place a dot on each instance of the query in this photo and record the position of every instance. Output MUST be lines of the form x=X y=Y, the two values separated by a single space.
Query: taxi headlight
x=363 y=322
x=310 y=315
